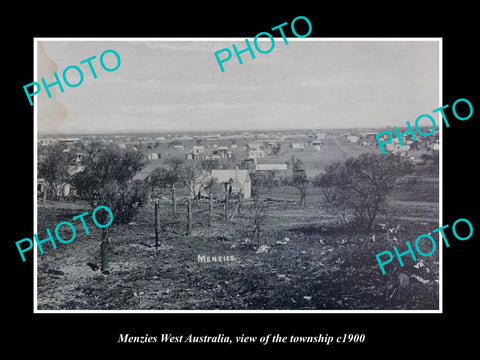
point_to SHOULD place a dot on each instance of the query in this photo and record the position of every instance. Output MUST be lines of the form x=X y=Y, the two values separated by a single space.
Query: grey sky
x=178 y=86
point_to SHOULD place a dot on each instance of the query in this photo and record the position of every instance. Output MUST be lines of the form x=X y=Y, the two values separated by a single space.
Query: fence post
x=226 y=204
x=44 y=194
x=239 y=202
x=210 y=207
x=189 y=216
x=157 y=224
x=174 y=201
x=104 y=249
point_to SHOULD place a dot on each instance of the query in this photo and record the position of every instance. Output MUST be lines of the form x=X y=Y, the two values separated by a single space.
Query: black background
x=386 y=334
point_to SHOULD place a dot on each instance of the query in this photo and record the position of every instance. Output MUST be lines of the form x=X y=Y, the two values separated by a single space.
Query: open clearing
x=309 y=263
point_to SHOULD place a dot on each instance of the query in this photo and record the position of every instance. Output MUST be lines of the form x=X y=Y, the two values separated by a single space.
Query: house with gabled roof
x=238 y=180
x=198 y=149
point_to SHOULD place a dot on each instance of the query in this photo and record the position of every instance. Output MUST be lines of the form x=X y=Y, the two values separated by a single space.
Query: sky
x=167 y=86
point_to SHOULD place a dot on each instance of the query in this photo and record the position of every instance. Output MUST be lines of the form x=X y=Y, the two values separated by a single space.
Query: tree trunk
x=226 y=205
x=104 y=250
x=210 y=207
x=149 y=196
x=44 y=194
x=196 y=196
x=189 y=216
x=371 y=219
x=236 y=211
x=239 y=203
x=157 y=224
x=302 y=197
x=174 y=201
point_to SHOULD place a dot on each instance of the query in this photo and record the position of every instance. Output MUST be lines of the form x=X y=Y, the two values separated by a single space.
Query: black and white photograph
x=261 y=187
x=231 y=178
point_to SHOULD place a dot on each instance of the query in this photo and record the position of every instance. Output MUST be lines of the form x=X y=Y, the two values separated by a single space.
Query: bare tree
x=192 y=177
x=299 y=179
x=209 y=186
x=189 y=216
x=301 y=182
x=258 y=217
x=174 y=177
x=228 y=189
x=157 y=223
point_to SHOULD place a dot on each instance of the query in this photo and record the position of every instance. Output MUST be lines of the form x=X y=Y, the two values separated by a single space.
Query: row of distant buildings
x=253 y=151
x=395 y=147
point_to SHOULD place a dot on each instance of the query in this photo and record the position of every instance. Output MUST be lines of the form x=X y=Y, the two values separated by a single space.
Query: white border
x=35 y=180
x=440 y=174
x=35 y=223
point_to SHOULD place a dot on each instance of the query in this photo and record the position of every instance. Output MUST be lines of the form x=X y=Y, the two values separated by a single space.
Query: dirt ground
x=303 y=262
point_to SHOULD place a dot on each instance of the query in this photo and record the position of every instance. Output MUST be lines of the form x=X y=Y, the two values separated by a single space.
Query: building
x=213 y=137
x=61 y=190
x=271 y=167
x=191 y=155
x=316 y=145
x=239 y=179
x=397 y=148
x=47 y=141
x=396 y=141
x=212 y=157
x=300 y=146
x=321 y=136
x=255 y=146
x=153 y=156
x=69 y=141
x=368 y=135
x=383 y=138
x=223 y=152
x=256 y=154
x=275 y=168
x=352 y=138
x=198 y=149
